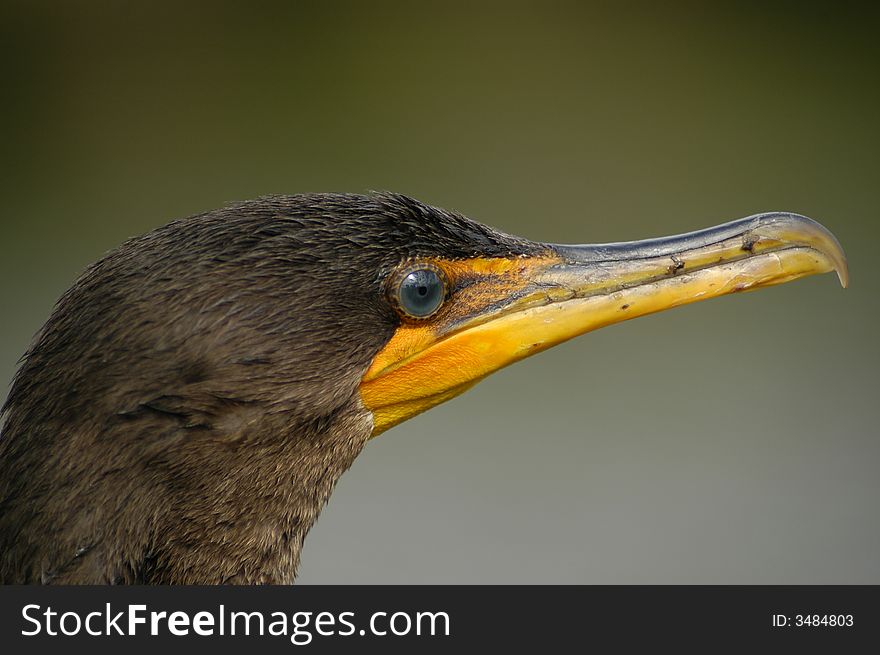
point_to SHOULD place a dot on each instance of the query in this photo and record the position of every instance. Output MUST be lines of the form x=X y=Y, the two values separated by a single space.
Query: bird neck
x=226 y=501
x=276 y=479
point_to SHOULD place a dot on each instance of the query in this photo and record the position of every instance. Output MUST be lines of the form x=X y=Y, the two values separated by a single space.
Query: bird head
x=189 y=405
x=307 y=302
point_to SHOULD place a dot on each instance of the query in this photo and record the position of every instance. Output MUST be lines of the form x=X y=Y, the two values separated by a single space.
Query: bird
x=185 y=412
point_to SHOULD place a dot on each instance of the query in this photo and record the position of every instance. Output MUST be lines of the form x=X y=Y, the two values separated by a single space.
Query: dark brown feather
x=188 y=407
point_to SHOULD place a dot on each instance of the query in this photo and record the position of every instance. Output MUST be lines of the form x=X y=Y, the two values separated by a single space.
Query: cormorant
x=185 y=412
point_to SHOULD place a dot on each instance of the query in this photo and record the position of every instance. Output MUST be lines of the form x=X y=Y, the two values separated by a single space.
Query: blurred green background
x=734 y=441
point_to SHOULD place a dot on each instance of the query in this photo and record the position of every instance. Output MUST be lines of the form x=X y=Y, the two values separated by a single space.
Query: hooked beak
x=522 y=306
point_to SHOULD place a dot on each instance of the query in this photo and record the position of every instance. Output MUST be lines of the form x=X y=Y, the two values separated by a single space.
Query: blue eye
x=421 y=292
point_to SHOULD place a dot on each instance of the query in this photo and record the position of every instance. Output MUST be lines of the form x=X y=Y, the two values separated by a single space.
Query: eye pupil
x=421 y=292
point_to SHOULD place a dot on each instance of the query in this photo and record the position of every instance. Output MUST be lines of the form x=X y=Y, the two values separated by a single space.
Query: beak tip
x=822 y=239
x=838 y=261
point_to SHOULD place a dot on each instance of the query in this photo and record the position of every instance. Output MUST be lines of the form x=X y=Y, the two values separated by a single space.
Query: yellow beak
x=513 y=308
